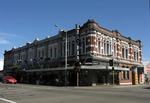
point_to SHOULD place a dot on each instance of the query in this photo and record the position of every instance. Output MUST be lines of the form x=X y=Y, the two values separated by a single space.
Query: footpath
x=113 y=86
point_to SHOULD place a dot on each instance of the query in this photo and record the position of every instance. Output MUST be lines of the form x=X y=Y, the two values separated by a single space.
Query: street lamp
x=65 y=53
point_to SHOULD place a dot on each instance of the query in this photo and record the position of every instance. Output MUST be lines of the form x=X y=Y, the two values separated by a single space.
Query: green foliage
x=15 y=68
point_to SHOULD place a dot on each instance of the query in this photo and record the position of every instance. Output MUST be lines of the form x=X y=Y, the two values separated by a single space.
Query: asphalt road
x=25 y=93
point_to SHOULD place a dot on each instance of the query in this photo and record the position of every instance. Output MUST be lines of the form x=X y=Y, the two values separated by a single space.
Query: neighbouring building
x=147 y=70
x=1 y=68
x=44 y=60
x=1 y=64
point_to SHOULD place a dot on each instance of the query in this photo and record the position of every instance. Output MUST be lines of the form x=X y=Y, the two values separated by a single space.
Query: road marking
x=6 y=100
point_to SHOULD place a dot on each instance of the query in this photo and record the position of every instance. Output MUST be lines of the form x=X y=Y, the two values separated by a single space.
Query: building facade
x=44 y=60
x=148 y=72
x=1 y=64
x=1 y=68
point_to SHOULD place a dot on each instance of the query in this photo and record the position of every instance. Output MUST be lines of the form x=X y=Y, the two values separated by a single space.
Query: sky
x=25 y=20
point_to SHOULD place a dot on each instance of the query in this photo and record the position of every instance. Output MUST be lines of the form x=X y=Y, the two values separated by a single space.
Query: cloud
x=6 y=38
x=2 y=34
x=3 y=41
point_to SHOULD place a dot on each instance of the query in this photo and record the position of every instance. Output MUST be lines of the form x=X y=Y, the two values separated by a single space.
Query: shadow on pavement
x=146 y=88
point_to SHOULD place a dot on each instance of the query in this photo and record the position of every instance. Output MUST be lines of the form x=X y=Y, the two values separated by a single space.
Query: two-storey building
x=44 y=60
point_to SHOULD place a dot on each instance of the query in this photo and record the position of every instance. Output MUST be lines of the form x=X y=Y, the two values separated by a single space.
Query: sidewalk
x=112 y=86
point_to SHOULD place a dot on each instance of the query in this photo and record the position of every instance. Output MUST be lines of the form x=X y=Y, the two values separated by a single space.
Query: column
x=135 y=76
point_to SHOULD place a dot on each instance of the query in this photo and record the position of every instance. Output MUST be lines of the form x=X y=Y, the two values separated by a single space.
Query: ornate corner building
x=45 y=60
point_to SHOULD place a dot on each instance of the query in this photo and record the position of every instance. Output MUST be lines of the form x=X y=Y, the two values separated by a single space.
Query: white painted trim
x=99 y=33
x=96 y=46
x=124 y=42
x=91 y=51
x=90 y=45
x=91 y=35
x=125 y=83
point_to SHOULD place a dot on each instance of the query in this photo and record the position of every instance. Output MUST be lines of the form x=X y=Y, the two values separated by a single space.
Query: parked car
x=9 y=79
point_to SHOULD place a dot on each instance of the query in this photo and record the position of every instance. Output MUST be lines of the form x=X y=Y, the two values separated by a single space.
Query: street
x=26 y=93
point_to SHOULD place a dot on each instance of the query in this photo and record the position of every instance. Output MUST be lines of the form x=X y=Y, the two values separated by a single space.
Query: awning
x=48 y=69
x=104 y=68
x=96 y=67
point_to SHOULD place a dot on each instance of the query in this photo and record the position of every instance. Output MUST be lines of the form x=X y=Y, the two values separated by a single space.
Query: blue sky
x=26 y=20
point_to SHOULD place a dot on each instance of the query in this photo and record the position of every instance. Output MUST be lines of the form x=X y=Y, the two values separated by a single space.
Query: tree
x=15 y=69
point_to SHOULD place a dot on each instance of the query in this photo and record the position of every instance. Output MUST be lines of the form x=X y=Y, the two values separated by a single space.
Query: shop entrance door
x=116 y=77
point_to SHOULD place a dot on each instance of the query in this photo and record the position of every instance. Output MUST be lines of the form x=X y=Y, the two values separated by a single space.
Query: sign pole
x=77 y=78
x=113 y=75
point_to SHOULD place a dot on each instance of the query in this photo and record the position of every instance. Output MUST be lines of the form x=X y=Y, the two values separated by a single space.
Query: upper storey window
x=114 y=50
x=124 y=52
x=31 y=53
x=70 y=46
x=41 y=52
x=99 y=45
x=55 y=52
x=83 y=45
x=23 y=55
x=52 y=51
x=16 y=56
x=63 y=49
x=136 y=55
x=73 y=48
x=107 y=48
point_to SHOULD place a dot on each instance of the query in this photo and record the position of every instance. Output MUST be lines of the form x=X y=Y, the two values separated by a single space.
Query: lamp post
x=65 y=53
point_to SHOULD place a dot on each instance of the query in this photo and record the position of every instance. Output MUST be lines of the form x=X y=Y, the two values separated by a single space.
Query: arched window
x=107 y=48
x=124 y=52
x=63 y=49
x=73 y=48
x=69 y=48
x=114 y=50
x=30 y=53
x=51 y=52
x=99 y=45
x=83 y=45
x=136 y=55
x=55 y=52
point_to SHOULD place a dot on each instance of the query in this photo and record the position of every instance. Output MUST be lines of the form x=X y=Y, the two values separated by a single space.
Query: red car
x=9 y=79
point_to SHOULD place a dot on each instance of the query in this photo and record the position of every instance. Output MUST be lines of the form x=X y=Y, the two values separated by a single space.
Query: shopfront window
x=125 y=75
x=101 y=77
x=84 y=78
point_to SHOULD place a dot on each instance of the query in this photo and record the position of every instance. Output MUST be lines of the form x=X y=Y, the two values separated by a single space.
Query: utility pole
x=66 y=49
